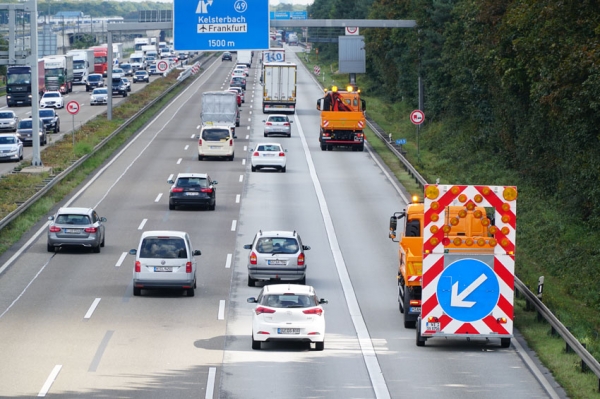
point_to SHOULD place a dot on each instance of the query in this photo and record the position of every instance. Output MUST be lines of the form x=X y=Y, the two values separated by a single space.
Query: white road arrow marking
x=458 y=300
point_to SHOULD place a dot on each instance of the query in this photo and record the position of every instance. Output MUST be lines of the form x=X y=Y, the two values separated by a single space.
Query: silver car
x=11 y=148
x=76 y=227
x=8 y=121
x=99 y=96
x=278 y=124
x=276 y=256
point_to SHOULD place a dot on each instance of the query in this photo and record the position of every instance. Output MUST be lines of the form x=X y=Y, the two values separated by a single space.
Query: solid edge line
x=50 y=380
x=221 y=314
x=370 y=357
x=535 y=370
x=228 y=261
x=210 y=382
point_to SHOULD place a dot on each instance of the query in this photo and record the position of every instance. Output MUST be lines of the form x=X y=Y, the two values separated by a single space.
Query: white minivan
x=216 y=141
x=164 y=259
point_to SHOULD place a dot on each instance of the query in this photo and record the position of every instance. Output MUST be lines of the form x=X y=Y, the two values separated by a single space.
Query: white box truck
x=83 y=65
x=279 y=87
x=117 y=51
x=137 y=61
x=219 y=117
x=244 y=57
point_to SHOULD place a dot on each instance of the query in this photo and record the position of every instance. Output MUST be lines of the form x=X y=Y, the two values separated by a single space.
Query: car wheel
x=289 y=135
x=102 y=243
x=125 y=94
x=323 y=147
x=96 y=249
x=231 y=157
x=190 y=292
x=137 y=291
x=319 y=346
x=213 y=206
x=21 y=157
x=200 y=157
x=50 y=248
x=57 y=129
x=255 y=344
x=254 y=168
x=251 y=282
x=171 y=207
x=266 y=135
x=283 y=169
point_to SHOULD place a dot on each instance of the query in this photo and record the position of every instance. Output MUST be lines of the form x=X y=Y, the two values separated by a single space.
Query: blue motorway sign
x=219 y=25
x=288 y=15
x=468 y=290
x=400 y=141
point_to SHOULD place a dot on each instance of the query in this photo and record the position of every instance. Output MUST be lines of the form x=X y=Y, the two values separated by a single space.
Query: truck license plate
x=415 y=309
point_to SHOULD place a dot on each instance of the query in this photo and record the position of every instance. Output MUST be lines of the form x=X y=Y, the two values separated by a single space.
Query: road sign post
x=219 y=25
x=417 y=117
x=73 y=109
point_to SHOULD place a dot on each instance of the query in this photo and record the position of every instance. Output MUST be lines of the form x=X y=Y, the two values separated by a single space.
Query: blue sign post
x=468 y=290
x=220 y=25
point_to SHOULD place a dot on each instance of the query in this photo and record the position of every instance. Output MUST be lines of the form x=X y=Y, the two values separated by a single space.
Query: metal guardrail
x=572 y=343
x=52 y=181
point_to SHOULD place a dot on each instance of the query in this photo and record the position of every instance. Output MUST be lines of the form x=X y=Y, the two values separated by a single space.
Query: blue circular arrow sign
x=468 y=290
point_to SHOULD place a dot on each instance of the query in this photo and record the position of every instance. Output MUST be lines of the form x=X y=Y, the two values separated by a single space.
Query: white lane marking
x=179 y=161
x=233 y=225
x=241 y=178
x=197 y=127
x=121 y=259
x=92 y=308
x=364 y=339
x=248 y=128
x=250 y=112
x=158 y=197
x=249 y=119
x=50 y=380
x=535 y=370
x=243 y=161
x=221 y=315
x=245 y=148
x=237 y=199
x=186 y=147
x=247 y=136
x=141 y=226
x=193 y=136
x=210 y=383
x=170 y=177
x=228 y=261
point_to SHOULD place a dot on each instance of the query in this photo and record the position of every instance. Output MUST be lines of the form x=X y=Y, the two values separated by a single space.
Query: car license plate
x=192 y=193
x=163 y=268
x=288 y=331
x=268 y=155
x=415 y=309
x=276 y=262
x=214 y=147
x=73 y=231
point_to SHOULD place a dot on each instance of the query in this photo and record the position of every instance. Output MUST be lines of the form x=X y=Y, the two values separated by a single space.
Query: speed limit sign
x=72 y=107
x=162 y=66
x=417 y=117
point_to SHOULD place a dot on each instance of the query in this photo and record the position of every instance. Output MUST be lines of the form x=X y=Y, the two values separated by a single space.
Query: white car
x=288 y=312
x=216 y=141
x=52 y=99
x=268 y=155
x=99 y=96
x=244 y=67
x=11 y=148
x=118 y=73
x=238 y=72
x=164 y=259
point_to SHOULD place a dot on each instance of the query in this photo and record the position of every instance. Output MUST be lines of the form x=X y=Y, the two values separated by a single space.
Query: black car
x=24 y=132
x=95 y=80
x=127 y=68
x=238 y=81
x=226 y=56
x=51 y=120
x=193 y=189
x=119 y=87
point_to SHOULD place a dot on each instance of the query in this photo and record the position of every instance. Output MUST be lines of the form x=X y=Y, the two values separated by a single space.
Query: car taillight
x=253 y=258
x=269 y=124
x=177 y=190
x=255 y=154
x=282 y=154
x=286 y=124
x=206 y=190
x=188 y=267
x=200 y=142
x=317 y=311
x=301 y=260
x=54 y=229
x=260 y=310
x=91 y=230
x=138 y=266
x=230 y=142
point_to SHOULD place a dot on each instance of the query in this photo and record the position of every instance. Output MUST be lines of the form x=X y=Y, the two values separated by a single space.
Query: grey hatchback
x=76 y=227
x=278 y=124
x=278 y=256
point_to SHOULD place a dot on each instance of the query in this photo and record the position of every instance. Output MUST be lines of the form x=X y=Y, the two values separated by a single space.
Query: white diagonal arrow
x=458 y=300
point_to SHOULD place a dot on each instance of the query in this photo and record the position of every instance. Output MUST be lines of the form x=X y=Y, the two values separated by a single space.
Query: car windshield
x=94 y=78
x=117 y=71
x=215 y=134
x=25 y=124
x=8 y=140
x=192 y=182
x=289 y=300
x=268 y=147
x=6 y=115
x=163 y=247
x=281 y=245
x=80 y=220
x=100 y=91
x=46 y=95
x=46 y=113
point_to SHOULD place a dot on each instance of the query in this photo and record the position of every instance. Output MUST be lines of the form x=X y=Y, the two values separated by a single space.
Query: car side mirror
x=197 y=136
x=51 y=218
x=248 y=246
x=196 y=252
x=250 y=149
x=170 y=181
x=323 y=301
x=306 y=247
x=214 y=182
x=103 y=219
x=291 y=121
x=251 y=300
x=235 y=136
x=133 y=252
x=264 y=121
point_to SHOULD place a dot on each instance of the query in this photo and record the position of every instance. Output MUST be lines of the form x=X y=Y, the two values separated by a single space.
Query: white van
x=164 y=259
x=216 y=141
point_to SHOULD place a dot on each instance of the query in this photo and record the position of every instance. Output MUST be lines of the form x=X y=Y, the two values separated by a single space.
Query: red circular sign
x=72 y=107
x=162 y=66
x=351 y=30
x=417 y=117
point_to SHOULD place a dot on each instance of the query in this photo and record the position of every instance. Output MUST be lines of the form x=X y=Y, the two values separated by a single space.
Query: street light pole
x=35 y=87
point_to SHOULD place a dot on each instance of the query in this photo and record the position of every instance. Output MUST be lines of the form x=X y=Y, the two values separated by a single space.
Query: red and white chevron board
x=195 y=69
x=325 y=123
x=500 y=249
x=361 y=124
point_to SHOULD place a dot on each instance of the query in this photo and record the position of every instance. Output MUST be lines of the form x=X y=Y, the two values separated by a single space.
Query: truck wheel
x=361 y=148
x=323 y=147
x=400 y=300
x=420 y=341
x=504 y=342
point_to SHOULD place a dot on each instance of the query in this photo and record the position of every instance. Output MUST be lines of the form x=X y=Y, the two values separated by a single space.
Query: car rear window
x=216 y=134
x=289 y=301
x=73 y=219
x=281 y=245
x=277 y=119
x=163 y=247
x=192 y=182
x=268 y=148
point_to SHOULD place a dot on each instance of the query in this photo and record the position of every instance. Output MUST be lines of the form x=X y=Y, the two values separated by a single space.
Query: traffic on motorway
x=142 y=284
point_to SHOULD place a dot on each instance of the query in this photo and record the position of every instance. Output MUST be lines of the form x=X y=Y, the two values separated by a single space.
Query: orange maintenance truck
x=461 y=224
x=342 y=119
